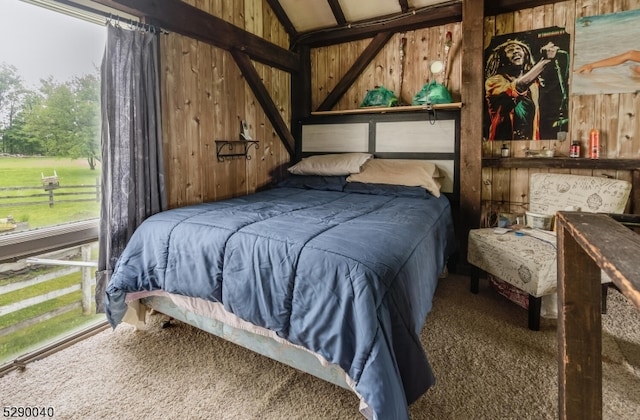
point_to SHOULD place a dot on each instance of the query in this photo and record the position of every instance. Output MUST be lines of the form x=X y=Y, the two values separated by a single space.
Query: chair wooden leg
x=475 y=279
x=605 y=290
x=535 y=303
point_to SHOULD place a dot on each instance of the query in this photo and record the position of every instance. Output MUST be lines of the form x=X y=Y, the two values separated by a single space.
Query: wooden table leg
x=579 y=332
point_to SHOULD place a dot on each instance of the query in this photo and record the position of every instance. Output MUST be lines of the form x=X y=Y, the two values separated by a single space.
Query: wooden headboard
x=426 y=135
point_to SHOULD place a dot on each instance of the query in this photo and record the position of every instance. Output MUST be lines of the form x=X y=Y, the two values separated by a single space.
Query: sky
x=42 y=43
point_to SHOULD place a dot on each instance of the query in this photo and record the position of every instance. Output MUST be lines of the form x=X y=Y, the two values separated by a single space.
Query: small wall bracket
x=234 y=149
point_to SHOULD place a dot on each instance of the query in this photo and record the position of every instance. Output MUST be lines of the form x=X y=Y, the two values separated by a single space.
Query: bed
x=331 y=273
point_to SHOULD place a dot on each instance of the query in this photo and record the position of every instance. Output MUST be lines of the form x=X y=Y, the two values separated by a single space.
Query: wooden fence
x=86 y=283
x=58 y=194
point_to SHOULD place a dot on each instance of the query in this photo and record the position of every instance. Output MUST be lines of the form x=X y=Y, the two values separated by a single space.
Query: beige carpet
x=487 y=363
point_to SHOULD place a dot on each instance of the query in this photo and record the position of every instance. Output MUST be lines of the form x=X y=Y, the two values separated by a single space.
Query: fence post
x=97 y=190
x=87 y=281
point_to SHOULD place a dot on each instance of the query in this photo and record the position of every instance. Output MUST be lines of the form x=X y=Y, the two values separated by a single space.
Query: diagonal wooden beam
x=337 y=12
x=374 y=47
x=404 y=5
x=180 y=17
x=282 y=17
x=262 y=95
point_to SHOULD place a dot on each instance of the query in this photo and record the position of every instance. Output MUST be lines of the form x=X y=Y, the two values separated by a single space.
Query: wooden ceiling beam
x=447 y=12
x=337 y=12
x=437 y=15
x=180 y=17
x=496 y=7
x=404 y=5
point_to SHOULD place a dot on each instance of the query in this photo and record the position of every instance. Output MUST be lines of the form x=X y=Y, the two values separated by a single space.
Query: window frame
x=19 y=245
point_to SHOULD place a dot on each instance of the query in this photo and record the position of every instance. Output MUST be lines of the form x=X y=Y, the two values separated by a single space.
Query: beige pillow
x=332 y=164
x=408 y=172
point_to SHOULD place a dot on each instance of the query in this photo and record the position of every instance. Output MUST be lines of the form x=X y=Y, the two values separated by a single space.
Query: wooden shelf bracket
x=234 y=149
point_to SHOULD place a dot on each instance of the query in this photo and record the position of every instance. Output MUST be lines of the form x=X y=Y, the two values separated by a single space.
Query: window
x=50 y=183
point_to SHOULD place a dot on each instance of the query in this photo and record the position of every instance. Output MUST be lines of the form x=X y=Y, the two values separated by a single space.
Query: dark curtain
x=132 y=167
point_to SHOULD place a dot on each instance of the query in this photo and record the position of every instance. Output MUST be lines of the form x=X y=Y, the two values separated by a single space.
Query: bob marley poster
x=527 y=85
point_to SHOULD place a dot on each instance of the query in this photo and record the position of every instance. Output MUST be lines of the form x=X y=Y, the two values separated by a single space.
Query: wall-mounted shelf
x=562 y=163
x=382 y=110
x=631 y=165
x=234 y=149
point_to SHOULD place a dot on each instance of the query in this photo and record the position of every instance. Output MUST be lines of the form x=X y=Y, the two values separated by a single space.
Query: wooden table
x=587 y=243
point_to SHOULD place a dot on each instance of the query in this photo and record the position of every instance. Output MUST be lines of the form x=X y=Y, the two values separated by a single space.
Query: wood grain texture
x=614 y=115
x=205 y=97
x=422 y=47
x=471 y=117
x=585 y=246
x=579 y=332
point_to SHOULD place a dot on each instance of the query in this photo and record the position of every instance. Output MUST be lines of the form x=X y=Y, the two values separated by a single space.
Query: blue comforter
x=348 y=275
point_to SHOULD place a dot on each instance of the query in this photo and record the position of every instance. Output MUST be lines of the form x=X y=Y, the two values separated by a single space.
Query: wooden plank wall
x=404 y=76
x=616 y=115
x=504 y=190
x=205 y=97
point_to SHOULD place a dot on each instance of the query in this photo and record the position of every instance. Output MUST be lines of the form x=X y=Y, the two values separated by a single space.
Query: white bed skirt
x=213 y=318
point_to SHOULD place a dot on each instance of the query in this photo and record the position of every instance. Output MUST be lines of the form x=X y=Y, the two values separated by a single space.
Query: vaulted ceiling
x=306 y=16
x=321 y=22
x=325 y=22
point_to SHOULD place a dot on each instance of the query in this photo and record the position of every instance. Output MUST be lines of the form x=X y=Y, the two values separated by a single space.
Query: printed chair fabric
x=529 y=262
x=549 y=193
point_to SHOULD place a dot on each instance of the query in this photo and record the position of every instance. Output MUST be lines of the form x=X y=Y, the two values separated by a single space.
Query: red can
x=574 y=152
x=594 y=144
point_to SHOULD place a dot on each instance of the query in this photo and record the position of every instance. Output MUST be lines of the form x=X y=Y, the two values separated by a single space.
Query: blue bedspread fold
x=349 y=276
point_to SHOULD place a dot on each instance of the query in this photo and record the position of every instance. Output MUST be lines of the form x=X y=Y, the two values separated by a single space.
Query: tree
x=16 y=136
x=50 y=119
x=66 y=119
x=88 y=118
x=12 y=93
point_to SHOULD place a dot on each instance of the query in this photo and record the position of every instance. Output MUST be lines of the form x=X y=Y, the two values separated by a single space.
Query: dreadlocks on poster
x=526 y=85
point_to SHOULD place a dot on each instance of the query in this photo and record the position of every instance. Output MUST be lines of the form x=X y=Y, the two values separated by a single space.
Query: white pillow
x=408 y=172
x=332 y=164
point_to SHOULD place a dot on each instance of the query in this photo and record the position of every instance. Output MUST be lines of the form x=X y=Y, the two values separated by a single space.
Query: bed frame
x=427 y=135
x=257 y=339
x=406 y=135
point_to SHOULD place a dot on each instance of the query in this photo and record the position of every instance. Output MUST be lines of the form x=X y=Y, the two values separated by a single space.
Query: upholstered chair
x=526 y=258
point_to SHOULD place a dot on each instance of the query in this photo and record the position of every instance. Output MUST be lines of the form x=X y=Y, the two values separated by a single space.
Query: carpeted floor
x=488 y=365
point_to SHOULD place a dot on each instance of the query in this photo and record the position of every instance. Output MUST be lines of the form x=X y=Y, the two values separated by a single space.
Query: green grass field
x=28 y=171
x=31 y=337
